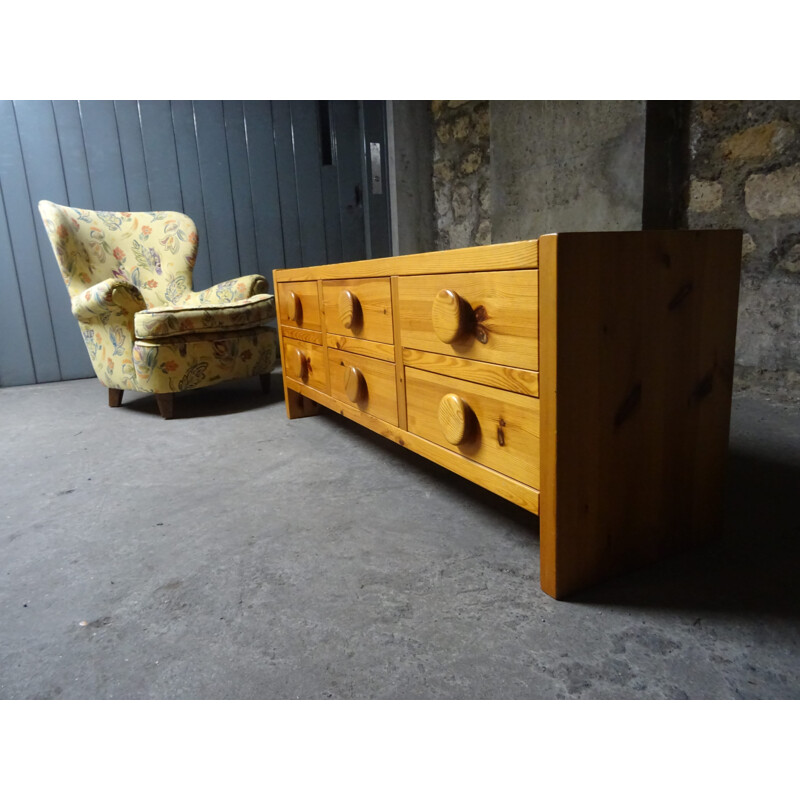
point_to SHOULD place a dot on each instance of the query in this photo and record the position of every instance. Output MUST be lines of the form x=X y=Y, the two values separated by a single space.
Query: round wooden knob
x=298 y=362
x=294 y=308
x=452 y=316
x=355 y=386
x=349 y=310
x=456 y=419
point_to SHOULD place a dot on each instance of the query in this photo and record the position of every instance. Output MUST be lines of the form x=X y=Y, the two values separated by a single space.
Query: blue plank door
x=270 y=184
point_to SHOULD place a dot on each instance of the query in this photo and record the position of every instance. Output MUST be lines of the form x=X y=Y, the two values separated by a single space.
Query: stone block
x=758 y=142
x=462 y=201
x=484 y=233
x=704 y=195
x=791 y=261
x=443 y=170
x=461 y=127
x=481 y=122
x=774 y=194
x=484 y=198
x=471 y=162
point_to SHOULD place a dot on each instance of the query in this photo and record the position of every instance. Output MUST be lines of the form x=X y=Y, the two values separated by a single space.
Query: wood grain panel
x=521 y=381
x=306 y=291
x=505 y=308
x=375 y=299
x=636 y=388
x=548 y=381
x=506 y=437
x=400 y=370
x=500 y=257
x=362 y=347
x=304 y=362
x=324 y=332
x=303 y=334
x=380 y=397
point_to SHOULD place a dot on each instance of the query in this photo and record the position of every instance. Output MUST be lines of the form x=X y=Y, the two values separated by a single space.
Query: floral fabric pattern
x=154 y=251
x=231 y=291
x=180 y=320
x=174 y=365
x=129 y=277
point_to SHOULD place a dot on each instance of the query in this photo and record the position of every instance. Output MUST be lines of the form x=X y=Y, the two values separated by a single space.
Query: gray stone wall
x=510 y=170
x=745 y=173
x=411 y=159
x=461 y=173
x=565 y=166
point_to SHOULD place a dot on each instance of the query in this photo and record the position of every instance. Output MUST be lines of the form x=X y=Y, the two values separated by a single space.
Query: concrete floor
x=230 y=553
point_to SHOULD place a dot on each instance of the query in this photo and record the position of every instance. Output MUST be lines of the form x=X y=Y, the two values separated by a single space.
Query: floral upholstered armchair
x=129 y=275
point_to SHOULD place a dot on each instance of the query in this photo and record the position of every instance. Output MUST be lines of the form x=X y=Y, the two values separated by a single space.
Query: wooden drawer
x=496 y=428
x=359 y=308
x=298 y=305
x=364 y=383
x=305 y=362
x=486 y=316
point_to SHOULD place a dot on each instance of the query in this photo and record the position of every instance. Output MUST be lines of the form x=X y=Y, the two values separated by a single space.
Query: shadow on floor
x=753 y=568
x=510 y=516
x=230 y=397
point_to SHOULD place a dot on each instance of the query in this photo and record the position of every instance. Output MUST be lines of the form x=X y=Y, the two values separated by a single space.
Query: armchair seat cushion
x=163 y=322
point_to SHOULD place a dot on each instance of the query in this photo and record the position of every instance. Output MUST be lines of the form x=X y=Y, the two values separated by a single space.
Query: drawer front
x=486 y=316
x=298 y=305
x=305 y=362
x=359 y=308
x=364 y=383
x=496 y=428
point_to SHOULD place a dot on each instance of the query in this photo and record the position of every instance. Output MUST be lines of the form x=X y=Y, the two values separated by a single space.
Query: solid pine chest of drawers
x=585 y=377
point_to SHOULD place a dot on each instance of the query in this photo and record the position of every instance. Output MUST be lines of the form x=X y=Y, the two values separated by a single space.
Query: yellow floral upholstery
x=174 y=365
x=180 y=320
x=129 y=276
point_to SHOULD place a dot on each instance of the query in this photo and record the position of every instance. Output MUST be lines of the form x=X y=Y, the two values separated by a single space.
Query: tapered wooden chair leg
x=165 y=404
x=266 y=383
x=115 y=398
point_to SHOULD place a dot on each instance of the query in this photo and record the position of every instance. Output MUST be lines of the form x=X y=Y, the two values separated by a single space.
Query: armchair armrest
x=111 y=296
x=230 y=291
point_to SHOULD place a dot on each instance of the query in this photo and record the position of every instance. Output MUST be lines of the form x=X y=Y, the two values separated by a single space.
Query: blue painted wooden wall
x=251 y=174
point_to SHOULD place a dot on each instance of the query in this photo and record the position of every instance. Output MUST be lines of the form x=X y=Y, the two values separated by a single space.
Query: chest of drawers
x=585 y=377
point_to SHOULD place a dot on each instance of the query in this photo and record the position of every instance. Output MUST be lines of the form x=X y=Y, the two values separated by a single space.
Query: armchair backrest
x=153 y=250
